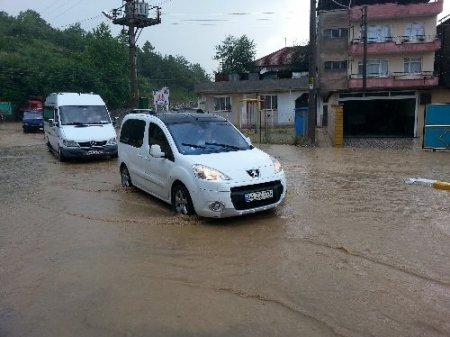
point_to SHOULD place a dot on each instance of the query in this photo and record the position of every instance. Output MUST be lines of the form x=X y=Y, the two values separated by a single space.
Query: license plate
x=94 y=152
x=261 y=195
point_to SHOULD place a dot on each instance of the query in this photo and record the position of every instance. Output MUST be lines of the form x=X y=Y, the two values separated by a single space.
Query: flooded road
x=353 y=251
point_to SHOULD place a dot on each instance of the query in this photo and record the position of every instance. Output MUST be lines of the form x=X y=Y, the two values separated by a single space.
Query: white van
x=78 y=125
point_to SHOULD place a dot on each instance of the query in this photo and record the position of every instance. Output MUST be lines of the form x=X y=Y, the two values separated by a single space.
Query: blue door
x=301 y=119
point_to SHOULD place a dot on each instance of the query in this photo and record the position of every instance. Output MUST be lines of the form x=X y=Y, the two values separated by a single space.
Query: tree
x=36 y=59
x=236 y=55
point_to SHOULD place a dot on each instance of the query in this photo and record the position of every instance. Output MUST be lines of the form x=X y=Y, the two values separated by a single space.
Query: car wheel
x=181 y=200
x=125 y=178
x=60 y=155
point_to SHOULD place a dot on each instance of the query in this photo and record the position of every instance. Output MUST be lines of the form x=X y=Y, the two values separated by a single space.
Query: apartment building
x=376 y=66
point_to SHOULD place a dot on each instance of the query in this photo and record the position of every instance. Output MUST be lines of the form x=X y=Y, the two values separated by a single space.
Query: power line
x=77 y=2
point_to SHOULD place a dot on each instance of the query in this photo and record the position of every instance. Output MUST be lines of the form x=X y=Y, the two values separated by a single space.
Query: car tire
x=125 y=178
x=181 y=200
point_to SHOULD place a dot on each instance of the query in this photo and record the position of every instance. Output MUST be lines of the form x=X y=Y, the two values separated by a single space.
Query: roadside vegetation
x=37 y=59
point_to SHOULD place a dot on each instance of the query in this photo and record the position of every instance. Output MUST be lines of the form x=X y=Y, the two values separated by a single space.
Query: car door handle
x=140 y=156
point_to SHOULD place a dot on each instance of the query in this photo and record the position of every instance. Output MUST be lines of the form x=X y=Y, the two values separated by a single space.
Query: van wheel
x=181 y=200
x=60 y=155
x=125 y=178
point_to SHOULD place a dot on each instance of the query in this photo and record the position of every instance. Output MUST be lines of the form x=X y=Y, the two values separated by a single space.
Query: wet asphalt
x=353 y=251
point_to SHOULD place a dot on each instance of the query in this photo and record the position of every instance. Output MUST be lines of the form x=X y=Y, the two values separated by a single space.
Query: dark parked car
x=32 y=121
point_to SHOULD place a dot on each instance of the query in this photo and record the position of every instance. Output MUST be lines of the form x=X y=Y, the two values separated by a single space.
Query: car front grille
x=92 y=143
x=238 y=195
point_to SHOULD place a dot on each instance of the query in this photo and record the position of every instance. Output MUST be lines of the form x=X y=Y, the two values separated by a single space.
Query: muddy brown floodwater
x=354 y=251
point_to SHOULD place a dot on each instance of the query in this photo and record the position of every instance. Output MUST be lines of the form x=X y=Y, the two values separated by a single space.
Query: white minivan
x=199 y=163
x=78 y=125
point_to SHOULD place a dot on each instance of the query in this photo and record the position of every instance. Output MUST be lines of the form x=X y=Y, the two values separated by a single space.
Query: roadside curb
x=440 y=185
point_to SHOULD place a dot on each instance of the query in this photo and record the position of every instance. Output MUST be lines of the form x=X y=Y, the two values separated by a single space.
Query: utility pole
x=364 y=37
x=135 y=17
x=312 y=105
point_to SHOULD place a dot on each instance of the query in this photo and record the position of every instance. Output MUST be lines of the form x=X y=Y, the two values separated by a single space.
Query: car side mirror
x=116 y=122
x=155 y=151
x=51 y=122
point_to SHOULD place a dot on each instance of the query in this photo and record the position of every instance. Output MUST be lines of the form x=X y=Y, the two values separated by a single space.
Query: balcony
x=390 y=11
x=397 y=45
x=425 y=79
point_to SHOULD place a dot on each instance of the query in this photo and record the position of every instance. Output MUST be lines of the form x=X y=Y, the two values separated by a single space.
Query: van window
x=133 y=132
x=156 y=136
x=83 y=114
x=48 y=112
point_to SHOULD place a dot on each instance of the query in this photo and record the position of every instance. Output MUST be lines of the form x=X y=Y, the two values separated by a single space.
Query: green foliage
x=236 y=55
x=36 y=60
x=300 y=59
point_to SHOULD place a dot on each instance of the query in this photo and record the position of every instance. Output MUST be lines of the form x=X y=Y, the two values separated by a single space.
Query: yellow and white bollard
x=440 y=185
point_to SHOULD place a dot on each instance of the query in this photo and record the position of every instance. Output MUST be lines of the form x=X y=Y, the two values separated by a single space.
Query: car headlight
x=276 y=165
x=70 y=143
x=207 y=173
x=112 y=141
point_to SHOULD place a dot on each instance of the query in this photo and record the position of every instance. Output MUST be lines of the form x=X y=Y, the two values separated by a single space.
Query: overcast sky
x=191 y=28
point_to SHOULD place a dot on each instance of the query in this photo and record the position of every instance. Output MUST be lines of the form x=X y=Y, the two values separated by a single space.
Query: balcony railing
x=423 y=79
x=397 y=11
x=396 y=45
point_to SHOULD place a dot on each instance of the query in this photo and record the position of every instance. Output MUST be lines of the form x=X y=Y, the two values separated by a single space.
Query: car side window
x=156 y=136
x=133 y=133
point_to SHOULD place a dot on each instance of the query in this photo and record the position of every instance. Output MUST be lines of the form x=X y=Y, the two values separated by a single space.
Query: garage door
x=379 y=118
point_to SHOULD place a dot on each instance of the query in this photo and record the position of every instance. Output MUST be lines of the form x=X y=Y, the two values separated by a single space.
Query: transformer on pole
x=134 y=14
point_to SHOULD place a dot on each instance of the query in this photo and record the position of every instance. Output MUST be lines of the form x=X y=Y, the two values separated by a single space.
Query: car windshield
x=207 y=137
x=32 y=115
x=85 y=114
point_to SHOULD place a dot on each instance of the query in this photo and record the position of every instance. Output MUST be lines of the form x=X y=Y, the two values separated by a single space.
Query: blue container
x=301 y=121
x=437 y=127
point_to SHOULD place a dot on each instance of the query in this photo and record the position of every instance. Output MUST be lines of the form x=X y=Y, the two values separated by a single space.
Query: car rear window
x=132 y=132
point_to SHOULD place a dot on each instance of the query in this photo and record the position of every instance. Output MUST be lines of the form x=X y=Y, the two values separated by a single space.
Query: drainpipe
x=364 y=36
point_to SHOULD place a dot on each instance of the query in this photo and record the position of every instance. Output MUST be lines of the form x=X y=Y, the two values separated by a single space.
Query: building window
x=222 y=103
x=335 y=66
x=378 y=33
x=375 y=68
x=335 y=33
x=269 y=102
x=415 y=32
x=412 y=66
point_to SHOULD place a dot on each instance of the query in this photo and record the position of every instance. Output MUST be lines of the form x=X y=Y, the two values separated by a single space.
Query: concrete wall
x=331 y=128
x=332 y=50
x=440 y=96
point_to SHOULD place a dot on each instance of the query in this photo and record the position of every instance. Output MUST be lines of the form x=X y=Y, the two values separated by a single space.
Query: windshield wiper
x=75 y=123
x=193 y=145
x=225 y=145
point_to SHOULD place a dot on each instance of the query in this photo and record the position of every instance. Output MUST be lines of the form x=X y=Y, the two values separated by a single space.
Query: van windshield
x=83 y=114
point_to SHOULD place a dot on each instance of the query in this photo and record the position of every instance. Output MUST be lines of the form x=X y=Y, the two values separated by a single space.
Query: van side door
x=132 y=149
x=158 y=169
x=51 y=124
